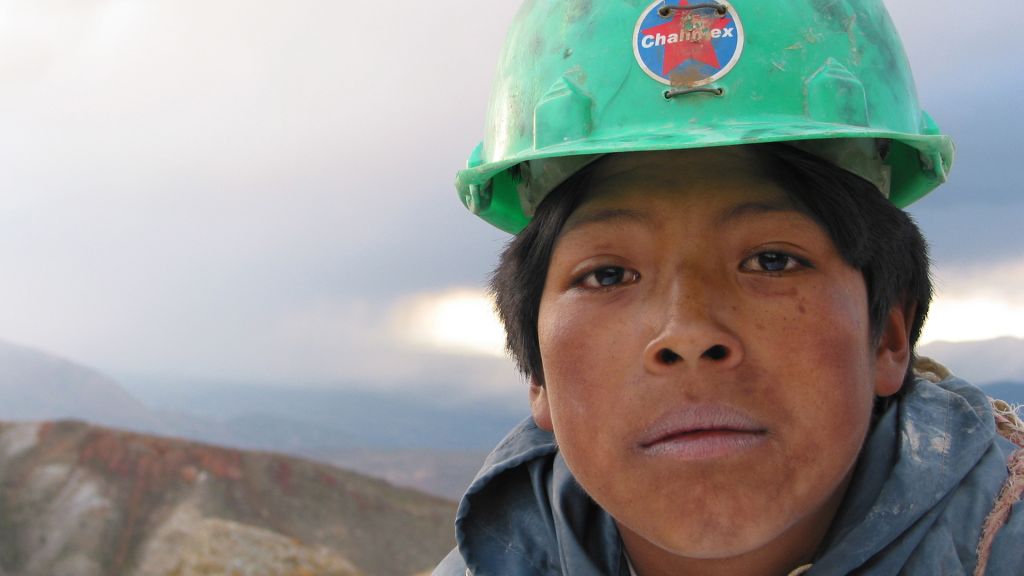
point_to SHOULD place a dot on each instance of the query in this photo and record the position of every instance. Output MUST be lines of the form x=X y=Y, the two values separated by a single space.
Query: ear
x=892 y=356
x=539 y=405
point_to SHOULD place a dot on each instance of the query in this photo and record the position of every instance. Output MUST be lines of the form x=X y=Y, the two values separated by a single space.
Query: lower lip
x=706 y=445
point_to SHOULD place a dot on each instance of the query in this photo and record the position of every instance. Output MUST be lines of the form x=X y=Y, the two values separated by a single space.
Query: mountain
x=444 y=473
x=82 y=500
x=431 y=449
x=981 y=362
x=38 y=386
x=348 y=415
x=408 y=441
x=1011 y=392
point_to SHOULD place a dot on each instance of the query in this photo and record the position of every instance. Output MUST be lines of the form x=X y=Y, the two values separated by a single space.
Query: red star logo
x=682 y=23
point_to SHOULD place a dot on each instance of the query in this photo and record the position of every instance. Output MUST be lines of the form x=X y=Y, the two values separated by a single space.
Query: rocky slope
x=405 y=441
x=78 y=500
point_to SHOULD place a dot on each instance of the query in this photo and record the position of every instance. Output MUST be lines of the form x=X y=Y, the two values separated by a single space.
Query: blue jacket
x=928 y=476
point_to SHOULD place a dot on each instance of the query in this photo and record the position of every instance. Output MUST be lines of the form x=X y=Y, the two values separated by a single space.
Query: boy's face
x=708 y=368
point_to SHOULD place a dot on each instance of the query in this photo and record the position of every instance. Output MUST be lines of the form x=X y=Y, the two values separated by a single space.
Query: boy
x=716 y=300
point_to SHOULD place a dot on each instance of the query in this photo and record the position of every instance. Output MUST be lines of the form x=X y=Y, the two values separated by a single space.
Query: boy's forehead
x=733 y=179
x=610 y=209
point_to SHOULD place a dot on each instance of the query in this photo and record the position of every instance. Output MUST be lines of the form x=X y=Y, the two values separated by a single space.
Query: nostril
x=716 y=352
x=666 y=356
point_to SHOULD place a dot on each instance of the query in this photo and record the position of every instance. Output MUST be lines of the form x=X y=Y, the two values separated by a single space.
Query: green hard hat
x=582 y=78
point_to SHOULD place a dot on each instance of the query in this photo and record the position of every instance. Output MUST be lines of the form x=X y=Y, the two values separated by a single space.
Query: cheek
x=569 y=345
x=838 y=321
x=816 y=344
x=819 y=328
x=590 y=361
x=841 y=394
x=577 y=338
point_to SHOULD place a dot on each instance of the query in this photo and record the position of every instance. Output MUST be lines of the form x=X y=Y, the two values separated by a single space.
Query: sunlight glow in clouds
x=459 y=320
x=973 y=318
x=977 y=303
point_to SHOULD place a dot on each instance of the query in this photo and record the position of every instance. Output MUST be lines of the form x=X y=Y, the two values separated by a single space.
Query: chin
x=709 y=542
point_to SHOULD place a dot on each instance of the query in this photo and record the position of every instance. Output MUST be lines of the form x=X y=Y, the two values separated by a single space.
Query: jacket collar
x=915 y=457
x=525 y=514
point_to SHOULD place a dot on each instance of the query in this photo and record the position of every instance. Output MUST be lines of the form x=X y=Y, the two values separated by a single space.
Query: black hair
x=870 y=233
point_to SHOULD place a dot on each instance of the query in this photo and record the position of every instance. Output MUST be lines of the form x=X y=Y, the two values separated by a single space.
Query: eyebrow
x=605 y=215
x=749 y=209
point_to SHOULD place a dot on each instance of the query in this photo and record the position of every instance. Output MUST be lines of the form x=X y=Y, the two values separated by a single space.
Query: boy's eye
x=608 y=276
x=772 y=262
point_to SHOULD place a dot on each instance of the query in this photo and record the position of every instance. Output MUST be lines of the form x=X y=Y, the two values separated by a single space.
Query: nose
x=692 y=332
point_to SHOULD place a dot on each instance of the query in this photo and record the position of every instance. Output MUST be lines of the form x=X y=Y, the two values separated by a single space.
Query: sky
x=262 y=191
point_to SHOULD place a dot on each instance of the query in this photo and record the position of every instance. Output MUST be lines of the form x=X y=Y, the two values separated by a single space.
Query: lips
x=701 y=432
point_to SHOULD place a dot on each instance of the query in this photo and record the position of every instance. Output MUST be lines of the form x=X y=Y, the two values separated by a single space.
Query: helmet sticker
x=688 y=43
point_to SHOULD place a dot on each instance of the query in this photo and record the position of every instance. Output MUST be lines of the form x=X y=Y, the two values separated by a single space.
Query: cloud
x=970 y=235
x=458 y=320
x=977 y=302
x=955 y=319
x=944 y=40
x=257 y=190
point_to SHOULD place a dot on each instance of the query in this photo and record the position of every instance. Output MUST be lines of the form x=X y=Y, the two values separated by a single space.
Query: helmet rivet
x=469 y=200
x=477 y=198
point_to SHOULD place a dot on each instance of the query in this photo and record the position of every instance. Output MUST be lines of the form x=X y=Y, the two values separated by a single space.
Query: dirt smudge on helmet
x=578 y=9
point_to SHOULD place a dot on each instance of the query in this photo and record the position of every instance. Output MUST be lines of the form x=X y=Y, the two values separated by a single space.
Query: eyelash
x=627 y=276
x=590 y=281
x=793 y=263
